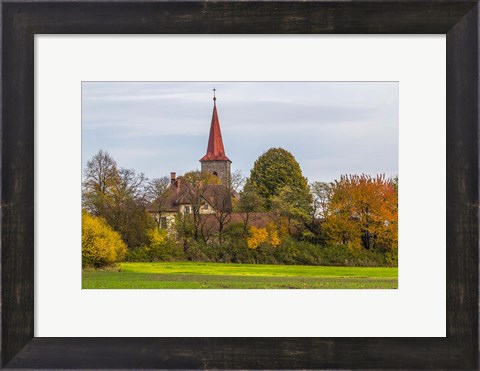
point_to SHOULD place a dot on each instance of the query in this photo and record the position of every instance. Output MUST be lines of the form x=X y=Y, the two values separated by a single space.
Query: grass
x=190 y=275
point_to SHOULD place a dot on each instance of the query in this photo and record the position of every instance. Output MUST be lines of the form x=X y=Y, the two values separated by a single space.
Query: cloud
x=331 y=128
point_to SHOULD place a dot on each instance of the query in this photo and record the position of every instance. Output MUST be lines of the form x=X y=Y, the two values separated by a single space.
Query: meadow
x=195 y=275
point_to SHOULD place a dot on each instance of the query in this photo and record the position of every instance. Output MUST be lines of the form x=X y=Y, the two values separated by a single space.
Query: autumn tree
x=363 y=212
x=197 y=184
x=220 y=198
x=127 y=213
x=101 y=245
x=119 y=196
x=320 y=192
x=157 y=193
x=156 y=187
x=100 y=176
x=276 y=169
x=261 y=236
x=320 y=198
x=237 y=181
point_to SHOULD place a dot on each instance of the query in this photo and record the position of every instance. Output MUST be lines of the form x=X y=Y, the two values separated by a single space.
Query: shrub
x=298 y=252
x=160 y=248
x=341 y=255
x=391 y=258
x=263 y=236
x=101 y=246
x=257 y=237
x=233 y=233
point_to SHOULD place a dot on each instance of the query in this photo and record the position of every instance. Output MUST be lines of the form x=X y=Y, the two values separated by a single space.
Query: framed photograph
x=257 y=205
x=183 y=146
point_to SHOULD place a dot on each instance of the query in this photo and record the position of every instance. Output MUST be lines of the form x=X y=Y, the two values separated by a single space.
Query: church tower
x=215 y=161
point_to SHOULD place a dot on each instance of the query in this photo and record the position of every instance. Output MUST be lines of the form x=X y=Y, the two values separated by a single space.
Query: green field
x=187 y=275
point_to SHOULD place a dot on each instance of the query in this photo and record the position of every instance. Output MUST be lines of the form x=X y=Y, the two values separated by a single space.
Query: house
x=182 y=198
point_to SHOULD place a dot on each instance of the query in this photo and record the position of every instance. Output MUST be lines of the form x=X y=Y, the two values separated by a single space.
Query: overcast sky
x=331 y=128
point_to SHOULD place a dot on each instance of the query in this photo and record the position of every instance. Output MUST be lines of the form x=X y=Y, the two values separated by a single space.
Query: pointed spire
x=215 y=150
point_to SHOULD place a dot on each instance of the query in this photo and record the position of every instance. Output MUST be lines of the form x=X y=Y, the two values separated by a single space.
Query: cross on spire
x=214 y=97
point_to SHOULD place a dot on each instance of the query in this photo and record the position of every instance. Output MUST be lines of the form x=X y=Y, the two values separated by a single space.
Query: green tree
x=293 y=207
x=250 y=202
x=276 y=169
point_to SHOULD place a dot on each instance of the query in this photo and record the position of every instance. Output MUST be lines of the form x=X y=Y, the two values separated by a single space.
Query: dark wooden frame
x=459 y=20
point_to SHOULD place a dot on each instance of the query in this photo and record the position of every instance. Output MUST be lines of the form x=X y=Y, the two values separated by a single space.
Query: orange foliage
x=363 y=212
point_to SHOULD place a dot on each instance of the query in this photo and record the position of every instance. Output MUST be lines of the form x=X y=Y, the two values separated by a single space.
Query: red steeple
x=215 y=150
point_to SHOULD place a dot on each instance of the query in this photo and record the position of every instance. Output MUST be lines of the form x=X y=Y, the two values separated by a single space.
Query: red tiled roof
x=178 y=193
x=215 y=150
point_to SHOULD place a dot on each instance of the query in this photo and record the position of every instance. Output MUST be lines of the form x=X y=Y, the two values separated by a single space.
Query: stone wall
x=220 y=168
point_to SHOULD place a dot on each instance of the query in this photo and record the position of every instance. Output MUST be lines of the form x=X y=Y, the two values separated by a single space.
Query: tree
x=263 y=236
x=156 y=188
x=320 y=194
x=101 y=175
x=221 y=199
x=119 y=196
x=158 y=195
x=237 y=180
x=101 y=246
x=127 y=208
x=363 y=212
x=250 y=202
x=276 y=169
x=197 y=184
x=293 y=207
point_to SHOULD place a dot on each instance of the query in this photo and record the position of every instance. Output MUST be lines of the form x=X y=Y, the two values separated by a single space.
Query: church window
x=187 y=209
x=163 y=222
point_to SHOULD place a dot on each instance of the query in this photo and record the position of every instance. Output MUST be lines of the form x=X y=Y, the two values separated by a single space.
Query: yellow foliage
x=156 y=237
x=259 y=236
x=273 y=237
x=101 y=245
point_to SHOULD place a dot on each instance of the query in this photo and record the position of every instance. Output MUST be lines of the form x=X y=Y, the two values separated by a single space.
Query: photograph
x=240 y=185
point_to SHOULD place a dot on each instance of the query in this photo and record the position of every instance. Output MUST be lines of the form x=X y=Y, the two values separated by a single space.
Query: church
x=215 y=161
x=178 y=196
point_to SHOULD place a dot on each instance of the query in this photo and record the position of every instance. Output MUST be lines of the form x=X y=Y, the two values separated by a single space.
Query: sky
x=332 y=128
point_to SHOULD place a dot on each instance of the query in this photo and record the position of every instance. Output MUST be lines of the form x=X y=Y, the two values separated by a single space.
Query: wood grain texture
x=238 y=353
x=267 y=17
x=21 y=20
x=463 y=182
x=17 y=188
